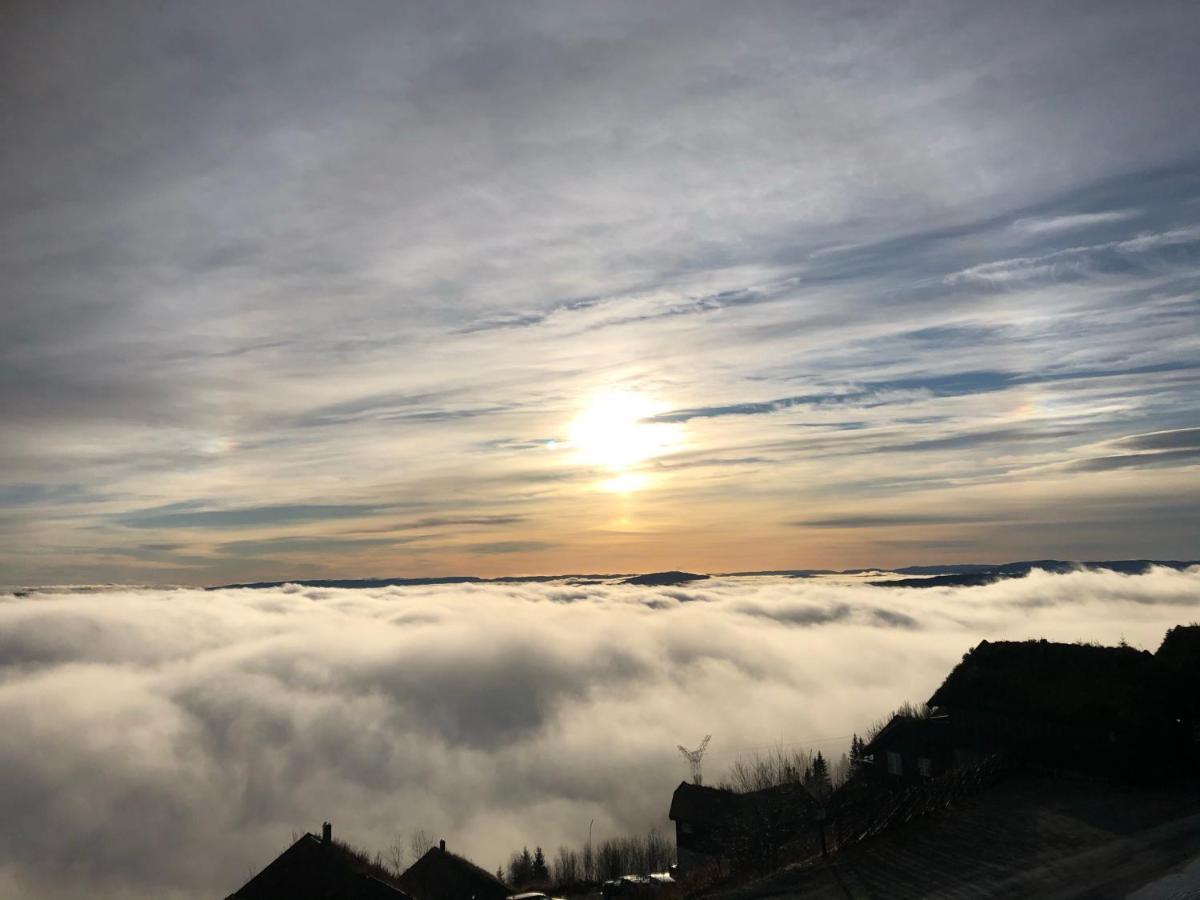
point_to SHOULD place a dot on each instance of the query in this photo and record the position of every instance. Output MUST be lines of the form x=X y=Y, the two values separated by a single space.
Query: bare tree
x=394 y=854
x=588 y=861
x=566 y=866
x=419 y=843
x=765 y=770
x=637 y=855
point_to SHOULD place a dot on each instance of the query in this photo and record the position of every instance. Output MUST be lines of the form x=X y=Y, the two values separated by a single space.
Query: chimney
x=327 y=833
x=442 y=845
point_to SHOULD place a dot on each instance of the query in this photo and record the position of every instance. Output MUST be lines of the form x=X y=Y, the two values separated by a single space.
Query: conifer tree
x=820 y=776
x=520 y=868
x=857 y=760
x=539 y=871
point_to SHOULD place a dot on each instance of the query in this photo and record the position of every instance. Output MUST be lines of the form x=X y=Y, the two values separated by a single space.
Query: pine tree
x=540 y=872
x=820 y=776
x=520 y=868
x=857 y=758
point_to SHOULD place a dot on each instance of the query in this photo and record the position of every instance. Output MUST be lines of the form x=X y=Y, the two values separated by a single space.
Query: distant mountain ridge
x=976 y=574
x=665 y=579
x=946 y=575
x=436 y=579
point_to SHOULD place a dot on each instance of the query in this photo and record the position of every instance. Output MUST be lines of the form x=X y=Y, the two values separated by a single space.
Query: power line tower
x=693 y=757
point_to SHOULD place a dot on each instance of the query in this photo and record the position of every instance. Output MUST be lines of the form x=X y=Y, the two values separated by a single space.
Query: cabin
x=913 y=748
x=722 y=830
x=701 y=816
x=442 y=875
x=320 y=868
x=1076 y=707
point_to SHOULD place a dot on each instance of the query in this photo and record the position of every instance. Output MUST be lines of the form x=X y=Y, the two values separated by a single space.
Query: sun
x=617 y=432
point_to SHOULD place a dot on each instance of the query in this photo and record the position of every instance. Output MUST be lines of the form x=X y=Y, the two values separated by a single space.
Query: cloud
x=459 y=521
x=1183 y=456
x=187 y=516
x=304 y=545
x=490 y=547
x=948 y=385
x=1073 y=221
x=880 y=520
x=1175 y=439
x=212 y=724
x=35 y=494
x=1077 y=261
x=801 y=615
x=1176 y=447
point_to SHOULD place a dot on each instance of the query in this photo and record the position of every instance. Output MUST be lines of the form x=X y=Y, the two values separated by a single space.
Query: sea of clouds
x=168 y=743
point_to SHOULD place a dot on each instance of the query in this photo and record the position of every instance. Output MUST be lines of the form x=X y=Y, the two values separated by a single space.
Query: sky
x=170 y=743
x=398 y=289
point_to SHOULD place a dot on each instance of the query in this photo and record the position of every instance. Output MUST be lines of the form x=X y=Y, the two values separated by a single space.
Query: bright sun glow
x=625 y=483
x=616 y=432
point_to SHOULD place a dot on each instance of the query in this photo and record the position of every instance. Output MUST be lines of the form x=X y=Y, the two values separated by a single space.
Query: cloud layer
x=167 y=742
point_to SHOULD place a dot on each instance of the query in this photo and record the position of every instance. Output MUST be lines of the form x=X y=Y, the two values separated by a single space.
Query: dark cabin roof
x=442 y=875
x=902 y=730
x=702 y=805
x=1068 y=682
x=313 y=870
x=699 y=805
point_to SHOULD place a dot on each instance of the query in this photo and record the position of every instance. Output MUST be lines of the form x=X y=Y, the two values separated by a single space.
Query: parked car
x=637 y=887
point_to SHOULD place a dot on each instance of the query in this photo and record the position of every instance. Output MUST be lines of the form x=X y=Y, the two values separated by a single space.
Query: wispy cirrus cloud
x=1077 y=260
x=1071 y=222
x=188 y=515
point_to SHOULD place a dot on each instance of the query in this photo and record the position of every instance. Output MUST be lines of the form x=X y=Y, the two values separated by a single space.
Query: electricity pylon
x=693 y=757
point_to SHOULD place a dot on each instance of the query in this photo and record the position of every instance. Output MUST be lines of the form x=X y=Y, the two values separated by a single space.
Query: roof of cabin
x=311 y=869
x=902 y=728
x=442 y=875
x=699 y=805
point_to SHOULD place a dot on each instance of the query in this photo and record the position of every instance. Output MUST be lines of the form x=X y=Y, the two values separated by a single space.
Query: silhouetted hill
x=975 y=574
x=784 y=573
x=660 y=579
x=354 y=582
x=441 y=579
x=965 y=579
x=947 y=575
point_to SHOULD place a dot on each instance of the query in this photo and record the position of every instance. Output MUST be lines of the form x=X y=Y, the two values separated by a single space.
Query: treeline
x=780 y=766
x=611 y=858
x=821 y=777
